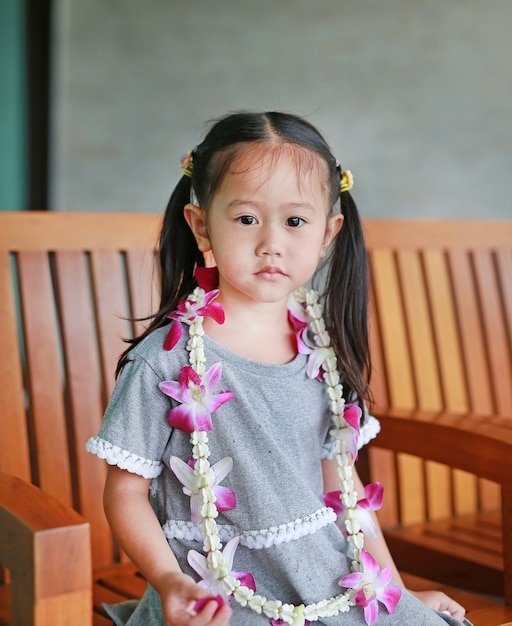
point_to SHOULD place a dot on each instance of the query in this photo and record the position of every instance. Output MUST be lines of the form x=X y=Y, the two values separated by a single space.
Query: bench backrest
x=440 y=331
x=68 y=284
x=441 y=336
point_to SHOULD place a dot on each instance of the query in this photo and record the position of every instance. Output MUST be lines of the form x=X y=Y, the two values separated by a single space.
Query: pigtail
x=178 y=251
x=179 y=256
x=346 y=306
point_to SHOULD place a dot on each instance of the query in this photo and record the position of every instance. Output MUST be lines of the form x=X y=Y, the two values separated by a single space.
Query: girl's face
x=267 y=225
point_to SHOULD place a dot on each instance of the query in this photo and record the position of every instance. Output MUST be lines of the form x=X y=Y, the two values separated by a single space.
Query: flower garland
x=367 y=584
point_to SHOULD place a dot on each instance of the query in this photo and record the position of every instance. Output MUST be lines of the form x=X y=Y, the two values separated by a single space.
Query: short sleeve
x=135 y=431
x=369 y=430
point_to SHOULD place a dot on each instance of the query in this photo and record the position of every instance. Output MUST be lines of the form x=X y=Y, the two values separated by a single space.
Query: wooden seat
x=69 y=283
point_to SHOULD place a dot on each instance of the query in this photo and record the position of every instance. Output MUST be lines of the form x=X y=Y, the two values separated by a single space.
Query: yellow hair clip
x=187 y=164
x=347 y=181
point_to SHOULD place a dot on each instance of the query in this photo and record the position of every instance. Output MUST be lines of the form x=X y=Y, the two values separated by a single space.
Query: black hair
x=346 y=287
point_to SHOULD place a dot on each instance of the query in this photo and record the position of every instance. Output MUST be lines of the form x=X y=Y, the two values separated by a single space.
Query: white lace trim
x=114 y=455
x=369 y=430
x=256 y=539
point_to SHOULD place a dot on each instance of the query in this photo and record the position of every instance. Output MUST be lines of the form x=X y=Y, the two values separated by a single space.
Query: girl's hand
x=439 y=601
x=178 y=594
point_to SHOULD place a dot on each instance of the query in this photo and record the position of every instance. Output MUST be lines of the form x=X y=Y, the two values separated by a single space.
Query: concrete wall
x=414 y=97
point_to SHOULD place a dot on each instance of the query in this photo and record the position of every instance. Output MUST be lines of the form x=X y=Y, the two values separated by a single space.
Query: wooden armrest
x=46 y=547
x=481 y=445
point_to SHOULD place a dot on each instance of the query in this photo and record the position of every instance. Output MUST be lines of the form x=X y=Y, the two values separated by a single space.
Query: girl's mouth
x=271 y=273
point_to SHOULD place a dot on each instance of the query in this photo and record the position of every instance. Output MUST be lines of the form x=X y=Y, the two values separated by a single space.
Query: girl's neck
x=260 y=333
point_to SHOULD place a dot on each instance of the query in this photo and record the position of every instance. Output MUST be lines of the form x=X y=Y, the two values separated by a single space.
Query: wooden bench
x=68 y=285
x=441 y=335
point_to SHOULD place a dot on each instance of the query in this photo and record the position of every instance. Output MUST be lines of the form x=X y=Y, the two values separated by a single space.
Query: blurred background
x=100 y=100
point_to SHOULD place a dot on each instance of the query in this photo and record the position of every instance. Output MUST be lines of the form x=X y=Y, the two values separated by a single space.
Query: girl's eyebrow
x=234 y=204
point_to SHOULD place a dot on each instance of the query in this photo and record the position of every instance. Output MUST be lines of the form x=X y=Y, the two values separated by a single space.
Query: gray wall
x=414 y=97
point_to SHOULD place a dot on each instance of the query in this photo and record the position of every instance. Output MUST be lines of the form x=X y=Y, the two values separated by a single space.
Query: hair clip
x=347 y=181
x=187 y=164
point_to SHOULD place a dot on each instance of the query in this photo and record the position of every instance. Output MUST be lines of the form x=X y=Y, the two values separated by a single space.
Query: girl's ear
x=334 y=225
x=196 y=219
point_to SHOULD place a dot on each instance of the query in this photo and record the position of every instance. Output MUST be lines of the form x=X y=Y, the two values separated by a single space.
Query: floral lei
x=367 y=583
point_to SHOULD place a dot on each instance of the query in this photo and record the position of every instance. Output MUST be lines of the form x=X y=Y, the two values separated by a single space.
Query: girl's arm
x=140 y=535
x=379 y=550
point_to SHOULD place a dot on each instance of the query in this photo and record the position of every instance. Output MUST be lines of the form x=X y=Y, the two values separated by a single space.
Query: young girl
x=238 y=408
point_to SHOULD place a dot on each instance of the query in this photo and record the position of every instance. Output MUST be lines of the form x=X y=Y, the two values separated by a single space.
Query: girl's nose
x=270 y=243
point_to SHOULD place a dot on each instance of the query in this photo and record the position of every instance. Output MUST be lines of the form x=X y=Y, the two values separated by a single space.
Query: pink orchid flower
x=192 y=482
x=348 y=437
x=297 y=313
x=371 y=586
x=173 y=336
x=372 y=501
x=207 y=277
x=188 y=311
x=317 y=355
x=352 y=415
x=210 y=580
x=200 y=604
x=197 y=398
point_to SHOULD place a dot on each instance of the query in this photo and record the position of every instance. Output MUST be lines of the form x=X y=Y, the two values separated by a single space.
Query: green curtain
x=13 y=148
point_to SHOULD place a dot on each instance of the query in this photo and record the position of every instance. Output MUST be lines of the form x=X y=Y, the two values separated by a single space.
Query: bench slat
x=472 y=333
x=498 y=344
x=421 y=341
x=14 y=460
x=112 y=312
x=388 y=308
x=46 y=412
x=83 y=393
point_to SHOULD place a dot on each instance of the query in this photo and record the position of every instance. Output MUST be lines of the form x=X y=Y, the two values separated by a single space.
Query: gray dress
x=276 y=429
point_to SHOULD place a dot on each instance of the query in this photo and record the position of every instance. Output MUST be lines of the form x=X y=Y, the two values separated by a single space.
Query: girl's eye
x=294 y=222
x=247 y=220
